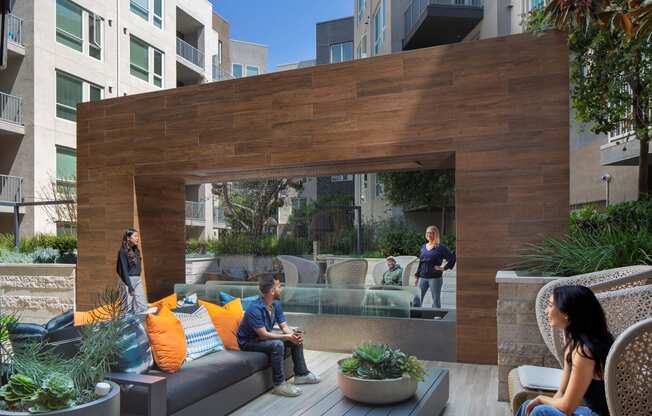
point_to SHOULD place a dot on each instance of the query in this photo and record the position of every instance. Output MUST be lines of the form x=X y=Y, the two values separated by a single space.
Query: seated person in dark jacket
x=255 y=334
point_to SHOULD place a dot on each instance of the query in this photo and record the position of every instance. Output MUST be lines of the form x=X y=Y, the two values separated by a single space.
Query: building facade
x=248 y=59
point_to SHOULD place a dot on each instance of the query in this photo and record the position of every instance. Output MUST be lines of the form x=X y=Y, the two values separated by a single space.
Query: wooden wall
x=499 y=106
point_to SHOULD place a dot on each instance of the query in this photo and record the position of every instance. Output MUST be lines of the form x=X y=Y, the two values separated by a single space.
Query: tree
x=248 y=205
x=64 y=213
x=611 y=70
x=420 y=189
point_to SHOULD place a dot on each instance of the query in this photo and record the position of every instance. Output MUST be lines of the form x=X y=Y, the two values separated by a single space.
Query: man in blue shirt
x=255 y=334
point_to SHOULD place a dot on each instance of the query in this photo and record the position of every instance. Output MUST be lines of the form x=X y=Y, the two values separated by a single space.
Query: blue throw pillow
x=135 y=352
x=226 y=298
x=201 y=336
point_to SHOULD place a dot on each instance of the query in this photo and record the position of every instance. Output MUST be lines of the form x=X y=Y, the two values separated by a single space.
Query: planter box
x=38 y=292
x=108 y=405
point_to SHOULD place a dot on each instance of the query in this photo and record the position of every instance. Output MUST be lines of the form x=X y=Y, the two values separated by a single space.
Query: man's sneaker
x=309 y=378
x=286 y=389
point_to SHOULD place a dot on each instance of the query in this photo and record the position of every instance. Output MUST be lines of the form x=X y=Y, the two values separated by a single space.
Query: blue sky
x=287 y=27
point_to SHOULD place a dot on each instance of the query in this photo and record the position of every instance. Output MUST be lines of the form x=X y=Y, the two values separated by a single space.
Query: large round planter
x=108 y=405
x=388 y=391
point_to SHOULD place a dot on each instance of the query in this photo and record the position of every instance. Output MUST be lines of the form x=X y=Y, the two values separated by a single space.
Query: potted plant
x=379 y=374
x=40 y=379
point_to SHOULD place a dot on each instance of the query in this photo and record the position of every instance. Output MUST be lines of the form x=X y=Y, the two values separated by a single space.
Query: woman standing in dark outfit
x=431 y=266
x=128 y=268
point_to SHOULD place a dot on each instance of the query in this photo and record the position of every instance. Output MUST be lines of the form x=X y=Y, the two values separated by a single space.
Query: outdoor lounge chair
x=298 y=270
x=381 y=267
x=625 y=295
x=347 y=273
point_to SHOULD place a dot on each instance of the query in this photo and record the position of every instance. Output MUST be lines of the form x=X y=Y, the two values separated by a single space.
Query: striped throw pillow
x=201 y=336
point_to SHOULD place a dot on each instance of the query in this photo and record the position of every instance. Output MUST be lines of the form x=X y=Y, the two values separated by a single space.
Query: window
x=69 y=94
x=140 y=56
x=140 y=8
x=535 y=4
x=379 y=27
x=72 y=91
x=342 y=178
x=95 y=36
x=66 y=164
x=363 y=46
x=237 y=70
x=158 y=13
x=341 y=52
x=361 y=7
x=220 y=44
x=69 y=25
x=252 y=70
x=380 y=188
x=298 y=203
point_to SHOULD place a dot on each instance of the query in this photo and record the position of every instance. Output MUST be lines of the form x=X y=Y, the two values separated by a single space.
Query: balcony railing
x=221 y=75
x=11 y=188
x=417 y=7
x=218 y=216
x=11 y=108
x=15 y=29
x=195 y=211
x=190 y=53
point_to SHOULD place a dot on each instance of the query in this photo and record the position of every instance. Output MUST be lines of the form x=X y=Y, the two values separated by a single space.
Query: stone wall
x=519 y=339
x=36 y=292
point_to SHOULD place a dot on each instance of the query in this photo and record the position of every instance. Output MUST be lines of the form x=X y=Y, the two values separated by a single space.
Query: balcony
x=11 y=188
x=190 y=53
x=438 y=22
x=195 y=213
x=11 y=114
x=219 y=220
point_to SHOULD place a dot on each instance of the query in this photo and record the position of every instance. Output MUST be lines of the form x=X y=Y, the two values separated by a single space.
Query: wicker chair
x=628 y=373
x=347 y=273
x=381 y=267
x=598 y=282
x=299 y=270
x=409 y=270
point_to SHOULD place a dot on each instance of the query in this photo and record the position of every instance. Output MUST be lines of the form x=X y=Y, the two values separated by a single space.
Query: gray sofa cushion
x=199 y=379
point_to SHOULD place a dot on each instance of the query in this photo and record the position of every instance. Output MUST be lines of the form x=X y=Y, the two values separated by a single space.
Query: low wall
x=36 y=292
x=197 y=267
x=519 y=339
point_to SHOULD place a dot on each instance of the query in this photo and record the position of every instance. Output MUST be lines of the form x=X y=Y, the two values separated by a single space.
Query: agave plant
x=57 y=392
x=381 y=362
x=19 y=391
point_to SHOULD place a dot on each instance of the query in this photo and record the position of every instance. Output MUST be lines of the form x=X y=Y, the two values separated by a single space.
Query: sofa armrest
x=156 y=390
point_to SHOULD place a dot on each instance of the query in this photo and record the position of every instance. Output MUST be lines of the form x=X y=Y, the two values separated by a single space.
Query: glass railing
x=190 y=53
x=417 y=7
x=195 y=210
x=376 y=301
x=221 y=75
x=15 y=29
x=11 y=188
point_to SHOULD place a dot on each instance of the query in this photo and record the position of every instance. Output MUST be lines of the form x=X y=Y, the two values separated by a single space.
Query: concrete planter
x=108 y=405
x=376 y=392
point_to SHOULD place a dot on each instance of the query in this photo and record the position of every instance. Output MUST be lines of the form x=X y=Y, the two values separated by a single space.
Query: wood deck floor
x=473 y=390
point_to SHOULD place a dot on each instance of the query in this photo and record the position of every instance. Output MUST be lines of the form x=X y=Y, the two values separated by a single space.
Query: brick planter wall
x=519 y=339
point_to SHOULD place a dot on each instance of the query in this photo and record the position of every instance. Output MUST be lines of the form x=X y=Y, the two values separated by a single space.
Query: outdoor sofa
x=215 y=384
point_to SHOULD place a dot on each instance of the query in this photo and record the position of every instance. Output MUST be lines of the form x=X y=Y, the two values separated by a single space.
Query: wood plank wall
x=500 y=106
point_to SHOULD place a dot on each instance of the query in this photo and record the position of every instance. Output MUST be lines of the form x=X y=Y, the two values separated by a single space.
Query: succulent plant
x=380 y=362
x=19 y=390
x=56 y=392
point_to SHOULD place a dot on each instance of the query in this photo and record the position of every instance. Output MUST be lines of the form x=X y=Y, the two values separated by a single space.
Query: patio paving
x=473 y=389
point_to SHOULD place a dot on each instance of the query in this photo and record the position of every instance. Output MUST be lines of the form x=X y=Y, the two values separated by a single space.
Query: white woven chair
x=409 y=270
x=599 y=282
x=628 y=373
x=347 y=273
x=381 y=267
x=298 y=270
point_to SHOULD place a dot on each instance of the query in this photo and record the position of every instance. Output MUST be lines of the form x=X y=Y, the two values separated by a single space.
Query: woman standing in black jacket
x=128 y=268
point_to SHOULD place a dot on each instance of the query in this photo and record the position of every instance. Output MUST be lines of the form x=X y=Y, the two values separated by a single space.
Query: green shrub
x=449 y=241
x=396 y=238
x=195 y=246
x=6 y=241
x=380 y=362
x=63 y=243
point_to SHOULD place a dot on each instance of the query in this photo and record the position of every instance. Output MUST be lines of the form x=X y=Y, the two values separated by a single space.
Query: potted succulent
x=379 y=374
x=39 y=379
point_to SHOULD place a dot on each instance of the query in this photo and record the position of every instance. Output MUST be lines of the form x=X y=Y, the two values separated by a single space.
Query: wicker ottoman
x=518 y=394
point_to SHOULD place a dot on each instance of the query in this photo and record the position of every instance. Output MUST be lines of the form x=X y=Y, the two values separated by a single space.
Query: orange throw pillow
x=226 y=320
x=167 y=339
x=101 y=313
x=169 y=302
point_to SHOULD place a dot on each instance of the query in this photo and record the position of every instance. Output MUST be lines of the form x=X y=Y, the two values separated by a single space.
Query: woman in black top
x=434 y=258
x=128 y=268
x=576 y=311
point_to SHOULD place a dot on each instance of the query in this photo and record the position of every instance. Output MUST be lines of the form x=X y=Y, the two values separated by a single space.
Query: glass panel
x=69 y=24
x=237 y=70
x=139 y=59
x=69 y=94
x=252 y=71
x=140 y=7
x=220 y=44
x=347 y=51
x=66 y=164
x=96 y=93
x=336 y=53
x=158 y=13
x=158 y=68
x=95 y=36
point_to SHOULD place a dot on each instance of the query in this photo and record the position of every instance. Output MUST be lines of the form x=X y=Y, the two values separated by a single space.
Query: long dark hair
x=587 y=330
x=133 y=252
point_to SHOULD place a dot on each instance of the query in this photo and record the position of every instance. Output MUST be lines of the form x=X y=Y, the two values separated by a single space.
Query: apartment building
x=248 y=59
x=390 y=26
x=296 y=65
x=64 y=52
